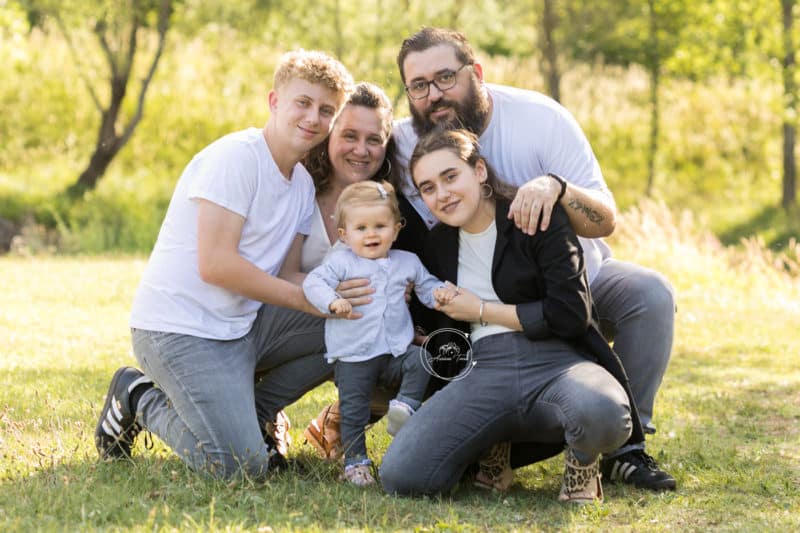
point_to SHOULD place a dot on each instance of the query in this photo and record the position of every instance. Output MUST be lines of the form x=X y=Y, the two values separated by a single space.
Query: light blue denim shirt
x=387 y=314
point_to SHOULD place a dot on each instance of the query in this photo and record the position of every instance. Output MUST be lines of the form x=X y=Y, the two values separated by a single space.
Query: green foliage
x=619 y=32
x=728 y=38
x=719 y=140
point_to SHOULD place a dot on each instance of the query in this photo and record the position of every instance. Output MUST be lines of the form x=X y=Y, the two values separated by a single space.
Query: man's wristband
x=480 y=315
x=561 y=181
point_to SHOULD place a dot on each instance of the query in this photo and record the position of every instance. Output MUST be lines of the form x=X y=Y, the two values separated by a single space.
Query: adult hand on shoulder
x=535 y=199
x=357 y=291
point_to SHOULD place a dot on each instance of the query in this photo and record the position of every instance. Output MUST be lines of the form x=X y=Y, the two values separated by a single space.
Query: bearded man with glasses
x=534 y=143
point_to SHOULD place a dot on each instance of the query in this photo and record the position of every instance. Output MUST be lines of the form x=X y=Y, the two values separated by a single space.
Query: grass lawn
x=728 y=416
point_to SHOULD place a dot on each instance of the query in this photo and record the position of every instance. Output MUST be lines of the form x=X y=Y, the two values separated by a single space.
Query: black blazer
x=544 y=276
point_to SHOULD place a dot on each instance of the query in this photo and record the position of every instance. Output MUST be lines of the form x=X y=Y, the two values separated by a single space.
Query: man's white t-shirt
x=529 y=135
x=238 y=173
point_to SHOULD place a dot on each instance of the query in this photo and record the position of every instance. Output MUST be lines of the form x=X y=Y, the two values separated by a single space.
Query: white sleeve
x=225 y=174
x=570 y=155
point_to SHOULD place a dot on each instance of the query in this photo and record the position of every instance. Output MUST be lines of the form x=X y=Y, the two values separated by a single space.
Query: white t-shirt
x=238 y=173
x=316 y=247
x=529 y=135
x=475 y=255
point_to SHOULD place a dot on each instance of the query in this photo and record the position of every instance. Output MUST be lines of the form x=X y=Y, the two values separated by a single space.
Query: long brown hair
x=464 y=145
x=318 y=162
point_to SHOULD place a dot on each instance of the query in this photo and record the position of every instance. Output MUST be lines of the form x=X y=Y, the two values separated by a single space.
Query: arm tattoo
x=587 y=211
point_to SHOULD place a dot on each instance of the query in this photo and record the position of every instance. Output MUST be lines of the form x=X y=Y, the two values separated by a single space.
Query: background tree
x=788 y=199
x=119 y=28
x=630 y=32
x=748 y=40
x=548 y=64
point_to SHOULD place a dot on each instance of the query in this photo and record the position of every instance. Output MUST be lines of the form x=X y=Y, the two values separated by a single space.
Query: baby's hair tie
x=382 y=191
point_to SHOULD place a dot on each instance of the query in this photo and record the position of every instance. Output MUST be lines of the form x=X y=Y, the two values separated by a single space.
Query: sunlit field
x=728 y=414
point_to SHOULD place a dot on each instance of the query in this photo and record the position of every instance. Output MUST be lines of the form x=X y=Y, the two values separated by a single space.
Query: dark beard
x=471 y=115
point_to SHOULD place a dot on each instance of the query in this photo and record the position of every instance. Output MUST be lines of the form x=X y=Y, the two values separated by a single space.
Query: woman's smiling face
x=451 y=188
x=357 y=145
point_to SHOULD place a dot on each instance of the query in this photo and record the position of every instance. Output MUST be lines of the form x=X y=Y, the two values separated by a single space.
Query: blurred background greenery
x=692 y=104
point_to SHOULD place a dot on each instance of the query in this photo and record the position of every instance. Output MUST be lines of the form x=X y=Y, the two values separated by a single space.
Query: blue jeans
x=204 y=407
x=519 y=391
x=637 y=311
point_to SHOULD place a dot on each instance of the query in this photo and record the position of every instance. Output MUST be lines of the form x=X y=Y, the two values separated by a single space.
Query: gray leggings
x=205 y=405
x=520 y=391
x=356 y=383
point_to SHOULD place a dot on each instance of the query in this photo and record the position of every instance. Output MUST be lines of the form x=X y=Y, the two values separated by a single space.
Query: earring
x=486 y=190
x=385 y=174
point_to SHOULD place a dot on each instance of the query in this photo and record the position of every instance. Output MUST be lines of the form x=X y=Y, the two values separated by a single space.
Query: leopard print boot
x=581 y=483
x=494 y=468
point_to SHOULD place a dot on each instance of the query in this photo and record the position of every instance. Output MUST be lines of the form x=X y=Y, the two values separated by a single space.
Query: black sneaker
x=277 y=461
x=636 y=468
x=278 y=439
x=117 y=426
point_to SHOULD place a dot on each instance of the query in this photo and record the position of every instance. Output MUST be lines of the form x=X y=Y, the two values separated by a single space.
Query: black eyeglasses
x=444 y=80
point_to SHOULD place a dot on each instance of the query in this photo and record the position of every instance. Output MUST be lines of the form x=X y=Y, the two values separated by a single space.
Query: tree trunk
x=789 y=197
x=337 y=28
x=654 y=127
x=455 y=11
x=654 y=64
x=110 y=138
x=547 y=44
x=98 y=164
x=108 y=141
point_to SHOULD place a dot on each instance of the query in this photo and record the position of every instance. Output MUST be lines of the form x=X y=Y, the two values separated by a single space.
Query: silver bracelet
x=480 y=315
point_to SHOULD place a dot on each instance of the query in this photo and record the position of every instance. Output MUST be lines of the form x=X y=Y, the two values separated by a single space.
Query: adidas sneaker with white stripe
x=636 y=468
x=117 y=426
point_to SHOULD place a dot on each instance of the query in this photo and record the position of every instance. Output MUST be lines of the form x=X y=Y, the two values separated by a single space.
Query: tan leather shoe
x=323 y=433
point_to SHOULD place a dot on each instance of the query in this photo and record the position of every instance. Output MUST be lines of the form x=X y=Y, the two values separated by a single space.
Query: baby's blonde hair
x=313 y=67
x=366 y=193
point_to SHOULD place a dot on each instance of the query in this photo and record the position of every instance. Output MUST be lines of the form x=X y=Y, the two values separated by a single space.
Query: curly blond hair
x=314 y=67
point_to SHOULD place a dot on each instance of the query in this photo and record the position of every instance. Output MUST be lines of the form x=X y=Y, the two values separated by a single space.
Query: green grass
x=728 y=416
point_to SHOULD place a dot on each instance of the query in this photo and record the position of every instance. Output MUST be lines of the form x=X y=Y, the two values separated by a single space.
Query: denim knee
x=401 y=478
x=606 y=427
x=227 y=465
x=396 y=477
x=654 y=292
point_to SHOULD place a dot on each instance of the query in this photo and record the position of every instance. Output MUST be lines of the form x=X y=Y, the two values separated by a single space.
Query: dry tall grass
x=679 y=244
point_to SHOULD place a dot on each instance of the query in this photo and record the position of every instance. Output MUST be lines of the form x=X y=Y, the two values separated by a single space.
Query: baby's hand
x=340 y=307
x=444 y=295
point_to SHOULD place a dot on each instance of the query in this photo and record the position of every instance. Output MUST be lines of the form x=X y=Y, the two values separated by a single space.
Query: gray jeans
x=637 y=310
x=209 y=391
x=356 y=383
x=519 y=391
